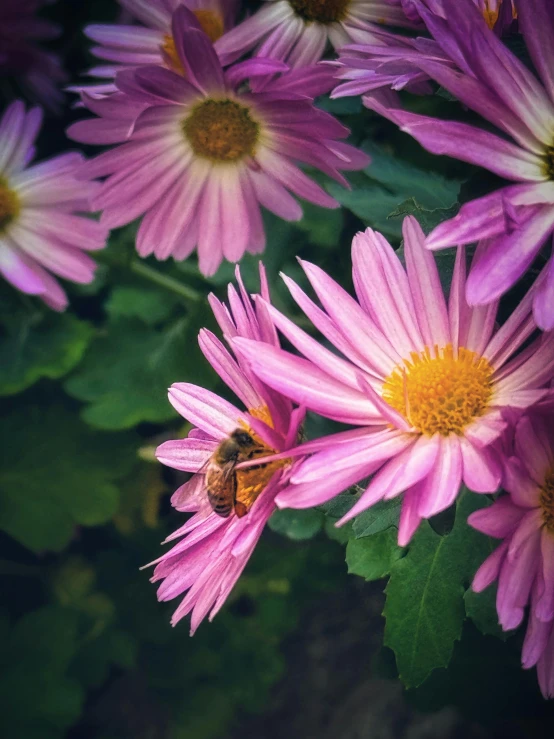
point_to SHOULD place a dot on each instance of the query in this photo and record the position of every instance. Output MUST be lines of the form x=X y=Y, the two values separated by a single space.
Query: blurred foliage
x=86 y=650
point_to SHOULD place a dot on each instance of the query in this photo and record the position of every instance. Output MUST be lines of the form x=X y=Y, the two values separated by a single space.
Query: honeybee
x=222 y=477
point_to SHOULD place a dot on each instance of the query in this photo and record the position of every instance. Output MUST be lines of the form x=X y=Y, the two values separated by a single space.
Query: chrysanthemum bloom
x=38 y=71
x=129 y=46
x=517 y=218
x=298 y=31
x=213 y=549
x=499 y=14
x=524 y=563
x=395 y=61
x=206 y=153
x=39 y=231
x=425 y=382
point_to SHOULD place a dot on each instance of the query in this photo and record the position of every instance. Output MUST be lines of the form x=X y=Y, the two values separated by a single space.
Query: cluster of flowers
x=436 y=394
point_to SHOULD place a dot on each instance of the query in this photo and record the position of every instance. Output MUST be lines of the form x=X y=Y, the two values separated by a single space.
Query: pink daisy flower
x=39 y=72
x=205 y=153
x=39 y=231
x=523 y=564
x=215 y=547
x=483 y=74
x=130 y=46
x=298 y=31
x=424 y=382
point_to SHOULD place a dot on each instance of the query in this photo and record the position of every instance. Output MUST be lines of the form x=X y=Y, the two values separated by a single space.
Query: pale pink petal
x=204 y=409
x=442 y=485
x=188 y=455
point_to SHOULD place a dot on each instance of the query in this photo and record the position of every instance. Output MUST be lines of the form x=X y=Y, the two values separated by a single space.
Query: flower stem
x=169 y=283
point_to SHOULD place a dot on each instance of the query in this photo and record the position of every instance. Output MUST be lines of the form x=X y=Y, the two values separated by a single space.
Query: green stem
x=169 y=283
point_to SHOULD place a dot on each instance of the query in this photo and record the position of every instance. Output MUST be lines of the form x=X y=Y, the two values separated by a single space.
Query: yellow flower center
x=321 y=11
x=221 y=131
x=440 y=394
x=9 y=205
x=252 y=481
x=546 y=500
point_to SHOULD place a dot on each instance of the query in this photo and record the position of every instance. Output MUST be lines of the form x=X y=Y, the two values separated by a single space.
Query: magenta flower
x=213 y=550
x=523 y=564
x=518 y=218
x=298 y=31
x=130 y=46
x=205 y=153
x=39 y=231
x=425 y=383
x=498 y=14
x=39 y=72
x=398 y=62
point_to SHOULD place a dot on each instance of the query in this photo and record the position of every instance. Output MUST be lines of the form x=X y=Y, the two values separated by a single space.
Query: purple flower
x=516 y=219
x=424 y=382
x=131 y=46
x=204 y=153
x=39 y=231
x=213 y=550
x=498 y=14
x=523 y=564
x=394 y=61
x=298 y=31
x=39 y=72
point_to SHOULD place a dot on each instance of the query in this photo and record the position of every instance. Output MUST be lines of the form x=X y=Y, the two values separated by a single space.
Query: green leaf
x=370 y=202
x=126 y=372
x=393 y=188
x=424 y=610
x=429 y=188
x=38 y=343
x=339 y=506
x=380 y=517
x=147 y=303
x=36 y=696
x=323 y=226
x=58 y=474
x=428 y=218
x=373 y=556
x=481 y=609
x=297 y=524
x=335 y=509
x=341 y=534
x=340 y=106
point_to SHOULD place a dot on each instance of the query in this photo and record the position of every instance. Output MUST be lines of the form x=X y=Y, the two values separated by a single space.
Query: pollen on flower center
x=321 y=11
x=252 y=481
x=546 y=500
x=221 y=130
x=9 y=205
x=440 y=394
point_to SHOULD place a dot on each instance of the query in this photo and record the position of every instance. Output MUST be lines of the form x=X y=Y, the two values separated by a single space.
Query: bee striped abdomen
x=221 y=485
